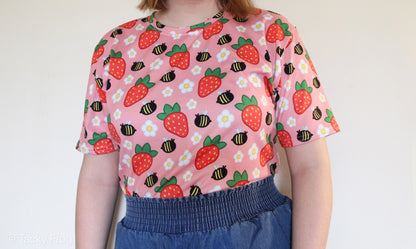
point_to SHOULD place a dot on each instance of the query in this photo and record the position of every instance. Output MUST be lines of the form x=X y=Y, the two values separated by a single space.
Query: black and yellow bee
x=151 y=180
x=99 y=82
x=219 y=173
x=168 y=77
x=127 y=129
x=160 y=25
x=135 y=194
x=289 y=68
x=195 y=190
x=316 y=82
x=267 y=56
x=240 y=19
x=159 y=49
x=225 y=97
x=273 y=168
x=219 y=14
x=137 y=66
x=116 y=32
x=298 y=49
x=203 y=56
x=224 y=39
x=145 y=19
x=317 y=113
x=279 y=51
x=238 y=66
x=148 y=108
x=108 y=84
x=269 y=118
x=277 y=95
x=85 y=133
x=304 y=135
x=169 y=146
x=240 y=138
x=107 y=60
x=202 y=120
x=96 y=106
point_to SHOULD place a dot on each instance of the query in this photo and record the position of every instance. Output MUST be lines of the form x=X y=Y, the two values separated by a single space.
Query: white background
x=363 y=52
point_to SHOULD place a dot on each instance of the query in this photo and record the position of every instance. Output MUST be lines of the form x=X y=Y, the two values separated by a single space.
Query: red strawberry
x=129 y=25
x=117 y=64
x=99 y=50
x=289 y=42
x=138 y=91
x=310 y=62
x=102 y=144
x=284 y=136
x=198 y=27
x=331 y=119
x=101 y=93
x=277 y=31
x=269 y=85
x=149 y=37
x=266 y=154
x=246 y=50
x=169 y=188
x=302 y=98
x=239 y=179
x=251 y=112
x=210 y=82
x=179 y=57
x=210 y=152
x=214 y=28
x=126 y=182
x=174 y=120
x=112 y=129
x=143 y=158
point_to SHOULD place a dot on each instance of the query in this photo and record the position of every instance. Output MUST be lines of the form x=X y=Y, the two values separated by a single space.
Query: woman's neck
x=181 y=13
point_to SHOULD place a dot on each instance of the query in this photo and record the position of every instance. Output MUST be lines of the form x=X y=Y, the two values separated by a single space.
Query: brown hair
x=240 y=8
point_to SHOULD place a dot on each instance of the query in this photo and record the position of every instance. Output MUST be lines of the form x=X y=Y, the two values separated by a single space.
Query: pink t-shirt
x=199 y=109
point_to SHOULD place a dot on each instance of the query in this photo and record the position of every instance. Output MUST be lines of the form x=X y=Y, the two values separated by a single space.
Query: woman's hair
x=240 y=8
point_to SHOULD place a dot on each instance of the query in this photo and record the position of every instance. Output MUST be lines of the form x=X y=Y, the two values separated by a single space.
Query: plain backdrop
x=364 y=52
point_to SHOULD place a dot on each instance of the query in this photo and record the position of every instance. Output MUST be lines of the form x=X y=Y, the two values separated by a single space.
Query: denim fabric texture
x=256 y=215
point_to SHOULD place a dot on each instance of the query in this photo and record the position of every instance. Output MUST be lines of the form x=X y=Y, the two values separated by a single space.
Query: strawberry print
x=99 y=50
x=210 y=82
x=174 y=120
x=266 y=153
x=149 y=37
x=179 y=57
x=214 y=28
x=101 y=143
x=331 y=119
x=143 y=158
x=310 y=62
x=138 y=91
x=238 y=180
x=117 y=65
x=129 y=25
x=169 y=188
x=210 y=152
x=268 y=86
x=251 y=112
x=284 y=136
x=277 y=31
x=126 y=182
x=302 y=98
x=246 y=50
x=112 y=129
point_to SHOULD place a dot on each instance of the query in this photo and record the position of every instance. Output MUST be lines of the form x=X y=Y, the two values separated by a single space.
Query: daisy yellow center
x=323 y=131
x=188 y=176
x=149 y=128
x=225 y=119
x=168 y=164
x=242 y=82
x=303 y=66
x=255 y=80
x=128 y=160
x=223 y=54
x=156 y=63
x=83 y=149
x=130 y=39
x=117 y=95
x=184 y=157
x=238 y=156
x=186 y=85
x=283 y=105
x=253 y=151
x=167 y=91
x=196 y=139
x=191 y=104
x=267 y=68
x=131 y=181
x=258 y=26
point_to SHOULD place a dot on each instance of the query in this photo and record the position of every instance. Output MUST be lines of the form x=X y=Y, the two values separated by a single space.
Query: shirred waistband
x=204 y=212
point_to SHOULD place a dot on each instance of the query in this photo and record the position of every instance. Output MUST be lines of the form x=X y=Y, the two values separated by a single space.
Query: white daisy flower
x=130 y=39
x=287 y=85
x=156 y=64
x=255 y=80
x=117 y=114
x=167 y=92
x=264 y=100
x=95 y=121
x=185 y=158
x=148 y=195
x=175 y=35
x=322 y=97
x=196 y=70
x=252 y=152
x=84 y=149
x=192 y=33
x=256 y=173
x=283 y=104
x=277 y=69
x=241 y=28
x=130 y=181
x=303 y=67
x=262 y=41
x=215 y=189
x=117 y=96
x=291 y=122
x=132 y=53
x=149 y=129
x=242 y=82
x=196 y=138
x=168 y=164
x=223 y=55
x=187 y=176
x=128 y=145
x=139 y=27
x=186 y=86
x=225 y=119
x=238 y=157
x=262 y=134
x=106 y=68
x=129 y=79
x=322 y=131
x=268 y=16
x=115 y=41
x=258 y=26
x=127 y=160
x=119 y=167
x=191 y=104
x=266 y=68
x=92 y=88
x=196 y=44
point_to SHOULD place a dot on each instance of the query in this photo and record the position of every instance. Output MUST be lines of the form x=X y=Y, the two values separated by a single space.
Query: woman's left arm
x=310 y=172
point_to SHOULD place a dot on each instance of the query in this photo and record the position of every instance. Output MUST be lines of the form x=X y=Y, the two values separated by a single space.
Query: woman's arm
x=96 y=198
x=312 y=194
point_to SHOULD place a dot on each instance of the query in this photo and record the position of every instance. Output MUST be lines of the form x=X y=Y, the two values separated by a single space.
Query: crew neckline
x=163 y=28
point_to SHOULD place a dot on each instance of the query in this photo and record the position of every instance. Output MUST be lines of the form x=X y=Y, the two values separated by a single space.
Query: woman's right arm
x=96 y=198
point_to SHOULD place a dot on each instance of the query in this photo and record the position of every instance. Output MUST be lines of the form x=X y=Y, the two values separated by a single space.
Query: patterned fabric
x=199 y=109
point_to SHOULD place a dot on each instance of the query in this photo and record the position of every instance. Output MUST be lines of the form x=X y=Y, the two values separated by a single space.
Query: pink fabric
x=199 y=109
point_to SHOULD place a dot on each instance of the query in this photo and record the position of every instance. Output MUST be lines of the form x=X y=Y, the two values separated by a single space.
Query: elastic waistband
x=204 y=212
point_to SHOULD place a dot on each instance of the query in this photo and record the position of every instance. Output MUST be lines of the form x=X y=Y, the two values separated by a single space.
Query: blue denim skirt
x=256 y=215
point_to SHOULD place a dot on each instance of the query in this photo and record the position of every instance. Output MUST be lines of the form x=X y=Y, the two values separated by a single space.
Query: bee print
x=279 y=51
x=85 y=133
x=316 y=82
x=289 y=68
x=224 y=39
x=277 y=95
x=203 y=56
x=219 y=14
x=135 y=194
x=116 y=32
x=273 y=168
x=168 y=146
x=240 y=19
x=148 y=108
x=304 y=135
x=238 y=66
x=159 y=49
x=137 y=66
x=269 y=118
x=127 y=129
x=195 y=190
x=202 y=120
x=267 y=56
x=108 y=84
x=225 y=97
x=219 y=173
x=151 y=180
x=298 y=49
x=317 y=113
x=240 y=138
x=96 y=106
x=168 y=77
x=160 y=25
x=99 y=82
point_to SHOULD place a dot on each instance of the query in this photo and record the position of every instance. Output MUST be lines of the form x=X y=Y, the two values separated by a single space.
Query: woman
x=189 y=102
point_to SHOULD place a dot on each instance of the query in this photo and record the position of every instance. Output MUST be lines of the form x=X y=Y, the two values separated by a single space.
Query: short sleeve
x=98 y=135
x=303 y=111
